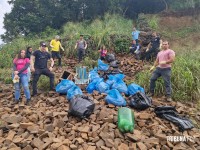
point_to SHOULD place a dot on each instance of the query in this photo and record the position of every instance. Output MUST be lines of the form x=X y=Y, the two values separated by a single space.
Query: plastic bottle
x=125 y=120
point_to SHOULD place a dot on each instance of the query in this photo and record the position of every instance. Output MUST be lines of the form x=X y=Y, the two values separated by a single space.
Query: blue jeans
x=166 y=75
x=24 y=81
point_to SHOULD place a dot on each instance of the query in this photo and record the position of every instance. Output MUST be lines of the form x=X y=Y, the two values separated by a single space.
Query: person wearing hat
x=81 y=45
x=55 y=49
x=39 y=60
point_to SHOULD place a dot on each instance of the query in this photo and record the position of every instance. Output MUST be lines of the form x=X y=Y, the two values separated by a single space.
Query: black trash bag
x=81 y=106
x=169 y=113
x=114 y=64
x=140 y=101
x=110 y=57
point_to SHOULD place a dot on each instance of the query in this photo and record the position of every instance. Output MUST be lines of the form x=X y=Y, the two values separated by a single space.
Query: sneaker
x=15 y=101
x=169 y=99
x=150 y=95
x=27 y=102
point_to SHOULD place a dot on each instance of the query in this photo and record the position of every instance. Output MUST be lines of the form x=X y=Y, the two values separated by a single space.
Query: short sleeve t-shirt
x=165 y=55
x=20 y=64
x=135 y=34
x=41 y=59
x=155 y=42
x=56 y=45
x=81 y=44
x=103 y=52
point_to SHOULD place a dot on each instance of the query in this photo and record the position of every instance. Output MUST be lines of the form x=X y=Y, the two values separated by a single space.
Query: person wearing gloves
x=55 y=49
x=162 y=67
x=20 y=66
x=153 y=47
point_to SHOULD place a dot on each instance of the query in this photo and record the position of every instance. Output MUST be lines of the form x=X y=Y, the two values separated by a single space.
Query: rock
x=37 y=143
x=48 y=127
x=13 y=119
x=91 y=148
x=25 y=125
x=33 y=129
x=141 y=146
x=123 y=147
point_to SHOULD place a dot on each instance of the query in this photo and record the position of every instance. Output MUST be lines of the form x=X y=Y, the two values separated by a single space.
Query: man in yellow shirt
x=55 y=49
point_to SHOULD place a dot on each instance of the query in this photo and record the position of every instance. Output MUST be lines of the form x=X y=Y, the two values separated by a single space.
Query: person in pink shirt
x=103 y=51
x=20 y=66
x=163 y=63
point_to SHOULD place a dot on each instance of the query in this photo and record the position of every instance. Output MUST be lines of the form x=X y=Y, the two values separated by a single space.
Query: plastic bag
x=102 y=66
x=102 y=87
x=140 y=101
x=120 y=86
x=115 y=98
x=73 y=91
x=81 y=106
x=113 y=78
x=93 y=74
x=92 y=85
x=64 y=86
x=110 y=57
x=169 y=113
x=114 y=64
x=134 y=88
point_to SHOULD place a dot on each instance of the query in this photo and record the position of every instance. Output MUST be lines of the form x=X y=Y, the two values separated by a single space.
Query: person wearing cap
x=55 y=49
x=39 y=60
x=81 y=45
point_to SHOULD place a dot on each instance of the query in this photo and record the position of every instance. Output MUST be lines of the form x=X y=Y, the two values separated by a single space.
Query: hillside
x=46 y=124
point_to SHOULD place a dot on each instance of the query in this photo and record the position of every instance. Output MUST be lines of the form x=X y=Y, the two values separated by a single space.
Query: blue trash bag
x=113 y=78
x=120 y=76
x=115 y=98
x=74 y=90
x=93 y=74
x=64 y=86
x=120 y=86
x=102 y=66
x=134 y=88
x=92 y=85
x=102 y=87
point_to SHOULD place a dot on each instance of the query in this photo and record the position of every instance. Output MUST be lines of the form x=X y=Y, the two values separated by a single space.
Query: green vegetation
x=114 y=31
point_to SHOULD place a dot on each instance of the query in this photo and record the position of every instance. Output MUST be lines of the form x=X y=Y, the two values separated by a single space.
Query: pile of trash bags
x=69 y=88
x=169 y=113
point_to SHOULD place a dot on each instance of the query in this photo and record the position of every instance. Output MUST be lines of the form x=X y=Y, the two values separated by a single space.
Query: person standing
x=20 y=65
x=103 y=51
x=81 y=45
x=56 y=45
x=163 y=63
x=135 y=35
x=29 y=52
x=39 y=60
x=153 y=47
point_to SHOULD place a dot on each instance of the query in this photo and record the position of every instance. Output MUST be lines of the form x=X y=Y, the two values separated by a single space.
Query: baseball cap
x=43 y=44
x=57 y=37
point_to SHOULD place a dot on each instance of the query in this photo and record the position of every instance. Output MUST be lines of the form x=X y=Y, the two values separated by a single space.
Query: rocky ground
x=45 y=124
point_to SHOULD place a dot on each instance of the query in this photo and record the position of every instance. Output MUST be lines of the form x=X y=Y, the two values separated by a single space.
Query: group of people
x=36 y=62
x=164 y=59
x=152 y=49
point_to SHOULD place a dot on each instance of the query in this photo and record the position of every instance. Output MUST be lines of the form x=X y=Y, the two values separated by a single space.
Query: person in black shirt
x=29 y=51
x=38 y=68
x=153 y=47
